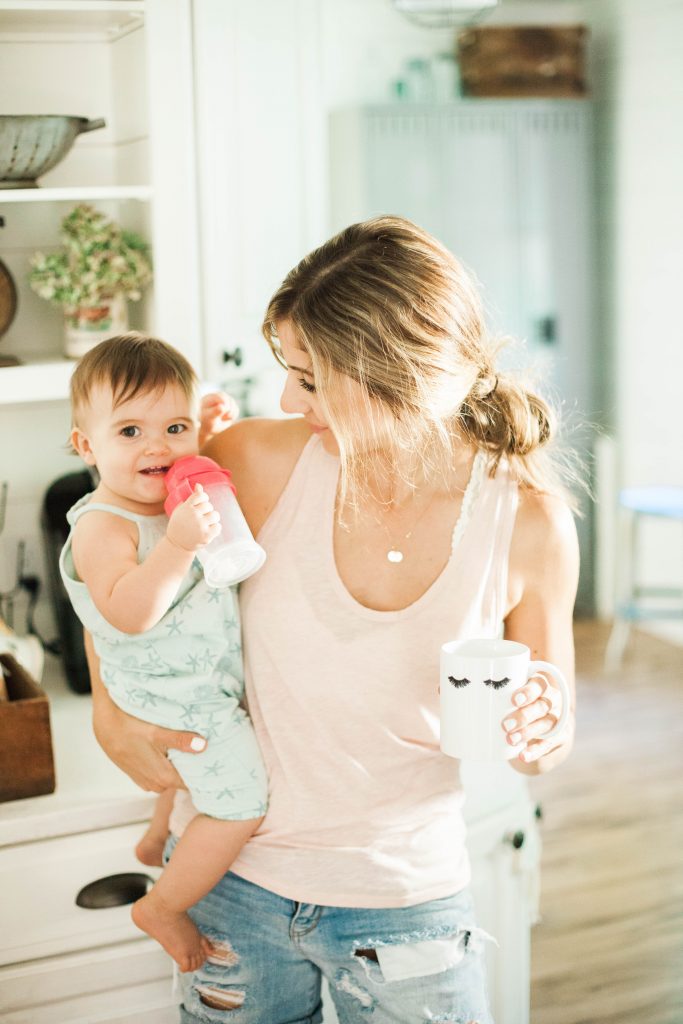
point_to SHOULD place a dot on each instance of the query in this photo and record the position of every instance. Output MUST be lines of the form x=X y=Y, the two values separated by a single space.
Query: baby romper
x=183 y=673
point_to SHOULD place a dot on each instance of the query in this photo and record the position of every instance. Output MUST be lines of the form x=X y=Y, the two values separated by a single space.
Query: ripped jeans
x=405 y=966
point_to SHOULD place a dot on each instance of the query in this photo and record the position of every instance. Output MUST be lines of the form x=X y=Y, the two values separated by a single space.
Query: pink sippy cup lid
x=187 y=472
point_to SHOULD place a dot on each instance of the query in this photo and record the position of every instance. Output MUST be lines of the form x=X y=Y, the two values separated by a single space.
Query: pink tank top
x=365 y=810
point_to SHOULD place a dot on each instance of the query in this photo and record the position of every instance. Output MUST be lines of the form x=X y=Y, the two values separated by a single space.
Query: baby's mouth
x=155 y=470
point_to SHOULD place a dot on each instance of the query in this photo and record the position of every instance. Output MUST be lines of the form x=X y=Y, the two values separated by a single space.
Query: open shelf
x=74 y=194
x=93 y=20
x=39 y=381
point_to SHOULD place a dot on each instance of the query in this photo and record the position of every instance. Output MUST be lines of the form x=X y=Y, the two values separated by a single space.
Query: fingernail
x=509 y=723
x=519 y=699
x=197 y=743
x=515 y=737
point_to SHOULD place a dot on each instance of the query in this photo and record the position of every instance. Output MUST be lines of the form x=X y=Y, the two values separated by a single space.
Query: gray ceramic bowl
x=31 y=144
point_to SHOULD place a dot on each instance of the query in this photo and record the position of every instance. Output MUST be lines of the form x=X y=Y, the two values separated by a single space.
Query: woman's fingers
x=174 y=739
x=537 y=687
x=535 y=717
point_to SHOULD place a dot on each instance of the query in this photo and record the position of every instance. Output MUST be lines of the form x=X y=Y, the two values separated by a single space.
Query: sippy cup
x=233 y=555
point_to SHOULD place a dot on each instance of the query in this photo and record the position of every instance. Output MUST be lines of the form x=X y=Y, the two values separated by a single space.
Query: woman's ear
x=81 y=444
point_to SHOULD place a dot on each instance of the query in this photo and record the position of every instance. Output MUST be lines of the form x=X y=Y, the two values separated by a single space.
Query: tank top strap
x=315 y=473
x=83 y=505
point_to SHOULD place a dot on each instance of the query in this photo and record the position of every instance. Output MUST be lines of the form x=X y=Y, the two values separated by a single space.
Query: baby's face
x=135 y=443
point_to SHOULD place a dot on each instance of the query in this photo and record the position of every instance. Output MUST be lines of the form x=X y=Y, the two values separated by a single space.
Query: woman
x=411 y=502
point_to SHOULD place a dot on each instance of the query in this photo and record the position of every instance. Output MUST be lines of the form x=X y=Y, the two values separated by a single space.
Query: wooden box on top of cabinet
x=541 y=61
x=26 y=761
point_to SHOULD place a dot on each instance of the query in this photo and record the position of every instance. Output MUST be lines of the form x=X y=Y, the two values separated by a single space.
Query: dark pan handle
x=90 y=126
x=114 y=890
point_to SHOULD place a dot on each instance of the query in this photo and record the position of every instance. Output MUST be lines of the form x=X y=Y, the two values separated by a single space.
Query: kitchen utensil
x=31 y=144
x=8 y=308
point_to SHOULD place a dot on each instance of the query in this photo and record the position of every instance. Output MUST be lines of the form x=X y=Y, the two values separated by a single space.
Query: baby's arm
x=133 y=596
x=218 y=411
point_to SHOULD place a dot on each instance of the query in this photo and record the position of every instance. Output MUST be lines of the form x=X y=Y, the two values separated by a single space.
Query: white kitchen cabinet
x=129 y=62
x=61 y=963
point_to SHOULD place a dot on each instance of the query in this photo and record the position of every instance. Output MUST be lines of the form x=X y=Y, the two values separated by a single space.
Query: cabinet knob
x=233 y=357
x=515 y=839
x=114 y=890
x=547 y=330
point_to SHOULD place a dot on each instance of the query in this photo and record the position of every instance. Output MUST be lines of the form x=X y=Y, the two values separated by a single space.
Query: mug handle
x=536 y=667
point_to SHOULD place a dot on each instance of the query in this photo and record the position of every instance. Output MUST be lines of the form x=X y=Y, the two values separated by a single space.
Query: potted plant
x=99 y=267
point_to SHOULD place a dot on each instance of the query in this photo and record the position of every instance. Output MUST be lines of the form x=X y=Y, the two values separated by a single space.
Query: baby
x=169 y=647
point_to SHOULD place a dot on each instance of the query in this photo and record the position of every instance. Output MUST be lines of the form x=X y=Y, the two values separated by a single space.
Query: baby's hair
x=131 y=364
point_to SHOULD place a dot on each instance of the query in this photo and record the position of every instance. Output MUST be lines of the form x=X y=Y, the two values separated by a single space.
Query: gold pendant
x=394 y=555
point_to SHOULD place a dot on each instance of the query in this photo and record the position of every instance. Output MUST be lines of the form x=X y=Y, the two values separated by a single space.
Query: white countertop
x=91 y=792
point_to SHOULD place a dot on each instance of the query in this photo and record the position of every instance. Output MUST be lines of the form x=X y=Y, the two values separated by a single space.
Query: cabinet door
x=259 y=144
x=556 y=250
x=479 y=223
x=505 y=853
x=125 y=982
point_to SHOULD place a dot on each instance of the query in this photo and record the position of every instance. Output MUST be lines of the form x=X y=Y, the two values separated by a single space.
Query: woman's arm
x=138 y=748
x=544 y=569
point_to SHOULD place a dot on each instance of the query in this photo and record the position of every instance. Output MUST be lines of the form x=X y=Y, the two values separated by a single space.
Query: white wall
x=640 y=101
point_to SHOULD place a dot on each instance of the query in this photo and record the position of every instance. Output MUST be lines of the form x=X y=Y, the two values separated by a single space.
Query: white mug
x=478 y=678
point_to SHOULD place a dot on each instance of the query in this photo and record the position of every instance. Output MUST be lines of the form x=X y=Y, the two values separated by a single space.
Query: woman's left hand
x=534 y=713
x=217 y=411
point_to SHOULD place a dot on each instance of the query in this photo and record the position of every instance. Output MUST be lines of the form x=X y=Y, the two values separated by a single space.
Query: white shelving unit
x=41 y=381
x=100 y=58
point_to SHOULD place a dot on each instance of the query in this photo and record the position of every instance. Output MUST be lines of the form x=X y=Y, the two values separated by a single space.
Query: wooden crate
x=26 y=762
x=523 y=61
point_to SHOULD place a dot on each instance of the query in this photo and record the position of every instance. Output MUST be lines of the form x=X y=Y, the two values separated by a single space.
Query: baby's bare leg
x=151 y=847
x=201 y=858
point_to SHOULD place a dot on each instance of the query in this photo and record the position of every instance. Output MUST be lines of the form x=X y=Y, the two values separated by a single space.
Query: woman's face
x=368 y=422
x=299 y=394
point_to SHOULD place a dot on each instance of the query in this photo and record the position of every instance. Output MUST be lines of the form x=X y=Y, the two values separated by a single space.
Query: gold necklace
x=394 y=554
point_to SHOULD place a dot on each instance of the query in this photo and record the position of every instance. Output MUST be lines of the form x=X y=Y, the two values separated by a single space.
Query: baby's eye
x=130 y=431
x=497 y=684
x=177 y=428
x=306 y=384
x=458 y=682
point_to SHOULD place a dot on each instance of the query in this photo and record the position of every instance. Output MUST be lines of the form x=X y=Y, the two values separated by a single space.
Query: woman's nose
x=293 y=398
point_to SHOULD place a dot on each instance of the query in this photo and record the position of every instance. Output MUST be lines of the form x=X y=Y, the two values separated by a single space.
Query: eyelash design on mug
x=458 y=683
x=497 y=684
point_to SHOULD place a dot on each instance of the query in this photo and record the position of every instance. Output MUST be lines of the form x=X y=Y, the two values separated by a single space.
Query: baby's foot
x=150 y=850
x=174 y=930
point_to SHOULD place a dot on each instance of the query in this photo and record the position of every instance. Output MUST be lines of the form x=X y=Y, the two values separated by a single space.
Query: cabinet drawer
x=128 y=982
x=39 y=883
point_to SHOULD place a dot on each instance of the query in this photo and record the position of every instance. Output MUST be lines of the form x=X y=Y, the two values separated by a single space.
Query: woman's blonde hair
x=384 y=304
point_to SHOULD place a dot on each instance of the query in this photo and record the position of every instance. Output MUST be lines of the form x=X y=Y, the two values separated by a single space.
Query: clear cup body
x=233 y=555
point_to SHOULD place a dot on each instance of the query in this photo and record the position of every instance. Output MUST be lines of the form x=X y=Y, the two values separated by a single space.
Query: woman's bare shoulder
x=544 y=541
x=260 y=454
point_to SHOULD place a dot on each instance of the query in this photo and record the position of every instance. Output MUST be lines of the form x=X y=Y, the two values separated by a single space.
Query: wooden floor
x=609 y=947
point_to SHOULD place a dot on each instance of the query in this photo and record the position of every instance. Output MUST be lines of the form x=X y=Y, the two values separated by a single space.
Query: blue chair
x=635 y=503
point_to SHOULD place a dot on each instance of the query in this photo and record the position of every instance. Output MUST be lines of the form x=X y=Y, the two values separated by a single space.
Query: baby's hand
x=194 y=523
x=216 y=412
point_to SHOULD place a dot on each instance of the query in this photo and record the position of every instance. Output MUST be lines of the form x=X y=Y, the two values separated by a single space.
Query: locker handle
x=546 y=327
x=114 y=890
